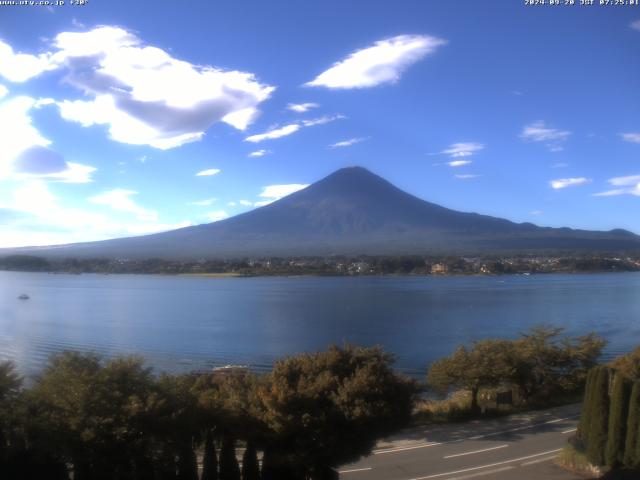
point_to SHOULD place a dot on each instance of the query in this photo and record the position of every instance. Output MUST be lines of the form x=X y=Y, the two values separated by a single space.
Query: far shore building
x=438 y=268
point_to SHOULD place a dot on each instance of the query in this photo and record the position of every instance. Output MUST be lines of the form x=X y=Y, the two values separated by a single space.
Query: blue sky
x=110 y=110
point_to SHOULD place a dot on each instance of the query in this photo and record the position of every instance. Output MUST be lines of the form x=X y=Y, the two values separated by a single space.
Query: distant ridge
x=350 y=212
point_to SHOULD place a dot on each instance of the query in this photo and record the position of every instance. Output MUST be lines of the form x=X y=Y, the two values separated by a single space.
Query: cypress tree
x=618 y=421
x=210 y=460
x=599 y=410
x=250 y=466
x=187 y=464
x=229 y=469
x=585 y=415
x=268 y=467
x=631 y=458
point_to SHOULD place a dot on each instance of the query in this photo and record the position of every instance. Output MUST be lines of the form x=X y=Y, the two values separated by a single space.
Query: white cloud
x=631 y=137
x=208 y=173
x=41 y=102
x=625 y=181
x=74 y=173
x=458 y=163
x=536 y=212
x=204 y=203
x=17 y=133
x=383 y=62
x=25 y=153
x=217 y=215
x=245 y=203
x=143 y=94
x=3 y=91
x=568 y=182
x=540 y=132
x=322 y=120
x=259 y=153
x=465 y=149
x=276 y=192
x=629 y=185
x=347 y=143
x=635 y=25
x=279 y=191
x=292 y=128
x=39 y=218
x=301 y=107
x=275 y=133
x=467 y=176
x=19 y=67
x=120 y=200
x=232 y=204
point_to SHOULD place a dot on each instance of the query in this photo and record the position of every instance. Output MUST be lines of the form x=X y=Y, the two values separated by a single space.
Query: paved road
x=519 y=447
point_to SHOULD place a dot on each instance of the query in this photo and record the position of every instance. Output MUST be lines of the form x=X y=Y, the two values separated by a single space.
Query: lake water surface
x=183 y=323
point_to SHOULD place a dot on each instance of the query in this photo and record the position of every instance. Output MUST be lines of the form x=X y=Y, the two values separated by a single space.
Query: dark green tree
x=187 y=463
x=546 y=362
x=329 y=408
x=597 y=440
x=180 y=421
x=487 y=364
x=229 y=468
x=10 y=386
x=628 y=365
x=618 y=421
x=585 y=414
x=210 y=459
x=250 y=465
x=631 y=457
x=99 y=417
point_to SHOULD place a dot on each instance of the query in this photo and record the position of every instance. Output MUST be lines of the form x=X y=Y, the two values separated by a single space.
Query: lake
x=183 y=323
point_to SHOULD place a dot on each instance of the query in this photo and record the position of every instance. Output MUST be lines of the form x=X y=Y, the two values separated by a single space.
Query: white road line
x=476 y=437
x=570 y=430
x=488 y=465
x=355 y=470
x=539 y=460
x=524 y=427
x=477 y=451
x=481 y=474
x=412 y=447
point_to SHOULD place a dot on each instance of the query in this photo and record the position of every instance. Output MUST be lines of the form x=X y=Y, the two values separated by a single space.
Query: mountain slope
x=352 y=211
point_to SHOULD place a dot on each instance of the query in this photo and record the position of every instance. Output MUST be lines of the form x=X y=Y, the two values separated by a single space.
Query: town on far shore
x=333 y=265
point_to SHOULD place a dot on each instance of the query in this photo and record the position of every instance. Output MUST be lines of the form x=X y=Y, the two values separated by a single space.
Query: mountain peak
x=352 y=211
x=354 y=180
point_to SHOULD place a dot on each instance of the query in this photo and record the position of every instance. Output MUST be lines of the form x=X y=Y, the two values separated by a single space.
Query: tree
x=11 y=443
x=631 y=457
x=329 y=408
x=618 y=420
x=487 y=364
x=250 y=465
x=229 y=469
x=628 y=365
x=210 y=459
x=585 y=414
x=180 y=421
x=187 y=463
x=597 y=440
x=540 y=363
x=10 y=387
x=101 y=418
x=546 y=362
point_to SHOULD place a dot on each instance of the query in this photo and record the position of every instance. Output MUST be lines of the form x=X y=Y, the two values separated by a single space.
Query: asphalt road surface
x=521 y=447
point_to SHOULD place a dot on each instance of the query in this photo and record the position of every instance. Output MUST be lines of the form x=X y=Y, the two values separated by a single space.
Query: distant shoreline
x=327 y=275
x=334 y=266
